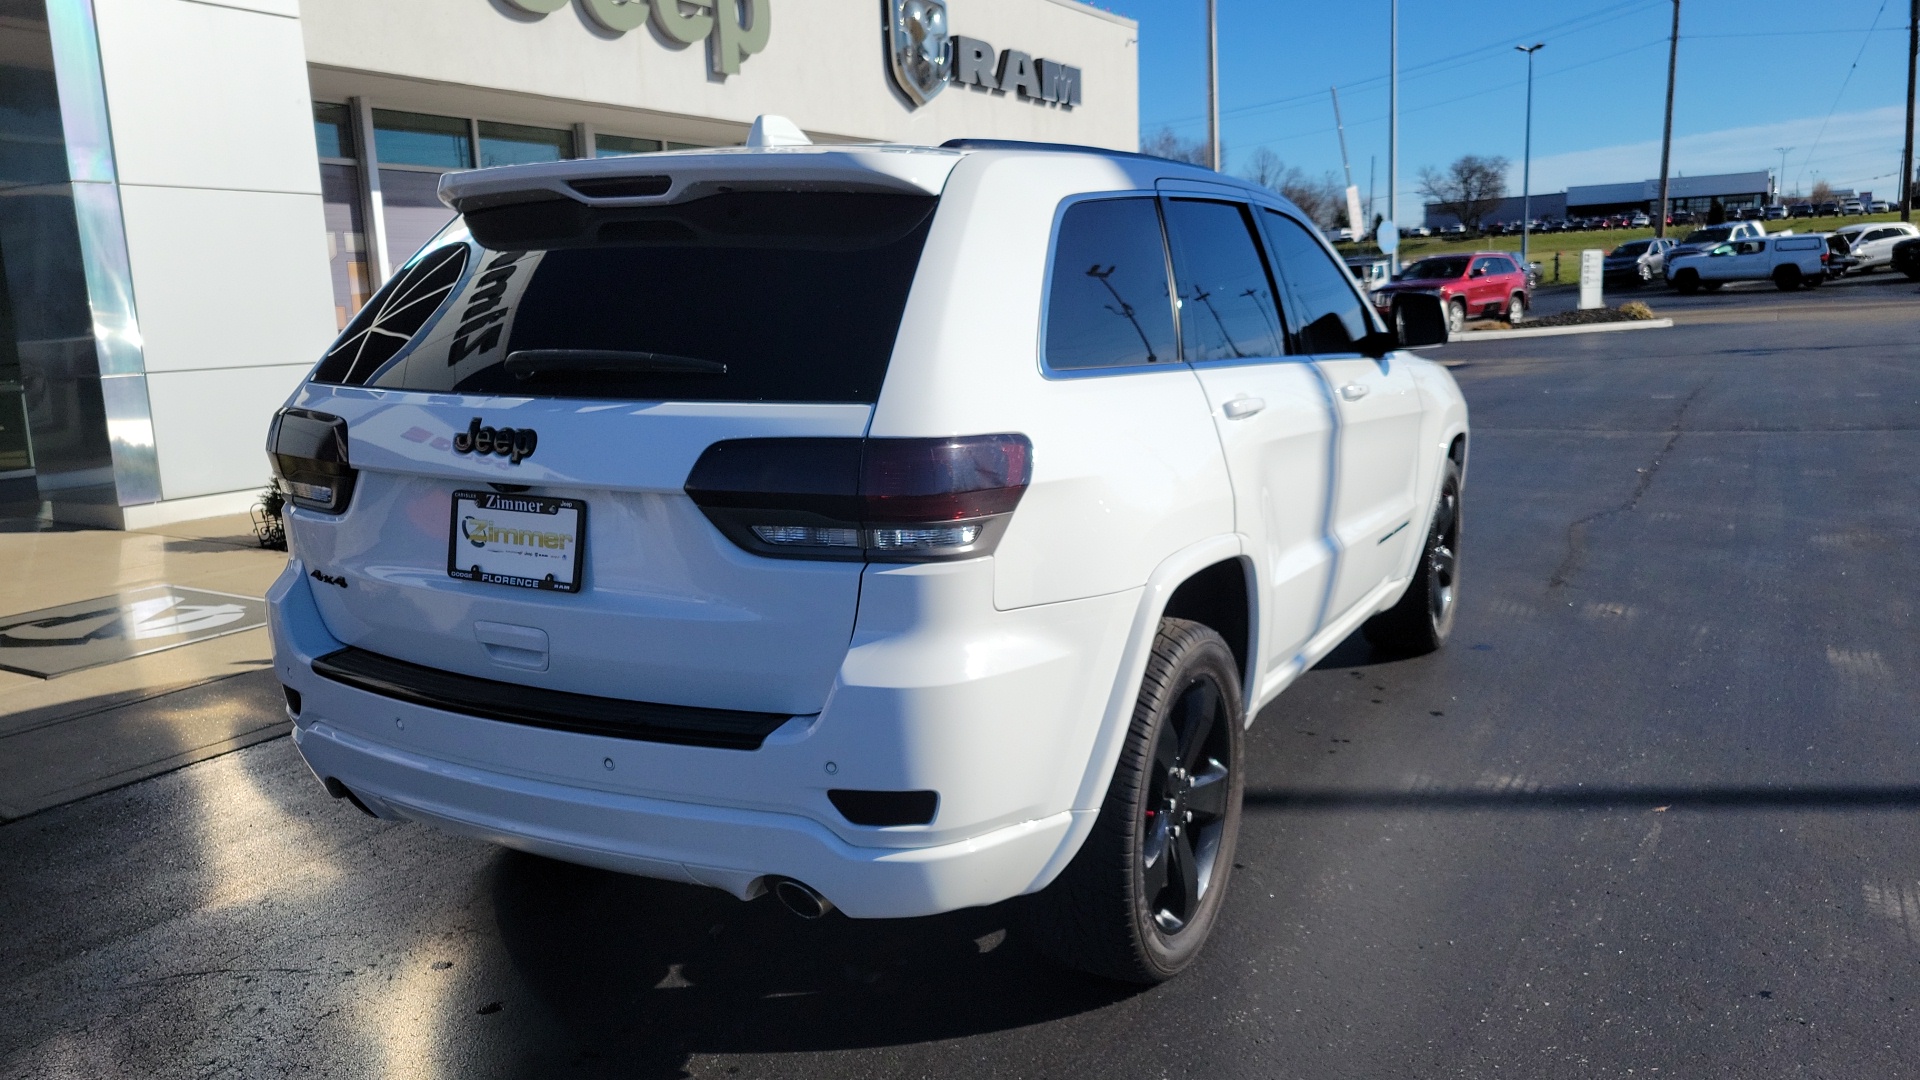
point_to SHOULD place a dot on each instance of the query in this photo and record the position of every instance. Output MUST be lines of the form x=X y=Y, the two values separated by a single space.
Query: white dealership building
x=196 y=194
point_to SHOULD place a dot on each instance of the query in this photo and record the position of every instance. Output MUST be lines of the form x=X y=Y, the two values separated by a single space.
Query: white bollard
x=1592 y=263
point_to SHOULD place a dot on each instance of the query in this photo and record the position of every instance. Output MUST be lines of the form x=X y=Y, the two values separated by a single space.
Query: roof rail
x=1053 y=148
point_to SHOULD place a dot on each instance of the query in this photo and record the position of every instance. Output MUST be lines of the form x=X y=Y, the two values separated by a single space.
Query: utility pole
x=1213 y=84
x=1342 y=129
x=1780 y=187
x=1393 y=114
x=1906 y=159
x=1526 y=167
x=1666 y=138
x=1373 y=164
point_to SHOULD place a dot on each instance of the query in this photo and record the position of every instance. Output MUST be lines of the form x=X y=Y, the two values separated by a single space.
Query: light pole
x=1526 y=166
x=1213 y=85
x=1393 y=116
x=1780 y=188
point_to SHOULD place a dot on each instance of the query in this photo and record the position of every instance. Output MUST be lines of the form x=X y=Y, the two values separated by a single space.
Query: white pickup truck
x=1789 y=260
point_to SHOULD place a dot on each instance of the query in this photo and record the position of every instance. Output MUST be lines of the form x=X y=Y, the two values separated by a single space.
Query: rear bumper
x=999 y=712
x=724 y=848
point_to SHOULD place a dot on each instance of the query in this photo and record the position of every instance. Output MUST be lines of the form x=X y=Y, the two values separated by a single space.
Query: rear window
x=1439 y=269
x=744 y=296
x=1707 y=236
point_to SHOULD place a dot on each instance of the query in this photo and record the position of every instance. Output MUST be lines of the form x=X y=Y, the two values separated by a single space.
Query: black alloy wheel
x=1185 y=813
x=1141 y=896
x=1423 y=618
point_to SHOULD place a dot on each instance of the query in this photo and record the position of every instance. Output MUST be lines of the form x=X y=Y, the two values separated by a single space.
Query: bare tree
x=1469 y=189
x=1164 y=143
x=1822 y=192
x=1319 y=199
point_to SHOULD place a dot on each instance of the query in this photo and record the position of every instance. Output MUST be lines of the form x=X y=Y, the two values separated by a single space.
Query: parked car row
x=1742 y=251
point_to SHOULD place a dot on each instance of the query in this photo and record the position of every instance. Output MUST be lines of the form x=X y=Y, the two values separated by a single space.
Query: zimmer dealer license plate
x=528 y=541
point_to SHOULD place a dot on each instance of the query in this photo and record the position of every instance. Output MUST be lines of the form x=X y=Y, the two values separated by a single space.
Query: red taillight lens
x=902 y=500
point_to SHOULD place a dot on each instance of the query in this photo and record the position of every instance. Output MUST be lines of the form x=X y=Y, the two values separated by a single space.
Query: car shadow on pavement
x=639 y=975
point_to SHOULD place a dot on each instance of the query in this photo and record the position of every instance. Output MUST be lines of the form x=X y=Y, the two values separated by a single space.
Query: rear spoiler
x=678 y=176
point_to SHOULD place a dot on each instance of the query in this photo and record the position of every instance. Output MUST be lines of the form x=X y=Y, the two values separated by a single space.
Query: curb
x=1561 y=331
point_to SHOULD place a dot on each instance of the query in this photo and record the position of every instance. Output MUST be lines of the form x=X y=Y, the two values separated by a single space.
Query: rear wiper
x=530 y=363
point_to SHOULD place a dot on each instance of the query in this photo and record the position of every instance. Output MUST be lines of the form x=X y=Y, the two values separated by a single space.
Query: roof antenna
x=771 y=130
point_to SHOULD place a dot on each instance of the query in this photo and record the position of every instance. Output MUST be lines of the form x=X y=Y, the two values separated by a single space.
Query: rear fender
x=1118 y=717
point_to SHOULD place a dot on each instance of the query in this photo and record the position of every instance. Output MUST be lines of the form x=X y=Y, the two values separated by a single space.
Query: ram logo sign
x=926 y=56
x=917 y=33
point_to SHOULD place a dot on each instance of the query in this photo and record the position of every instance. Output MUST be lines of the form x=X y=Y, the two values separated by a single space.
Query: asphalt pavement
x=1651 y=814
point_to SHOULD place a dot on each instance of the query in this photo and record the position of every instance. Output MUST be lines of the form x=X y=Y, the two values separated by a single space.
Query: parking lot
x=1651 y=813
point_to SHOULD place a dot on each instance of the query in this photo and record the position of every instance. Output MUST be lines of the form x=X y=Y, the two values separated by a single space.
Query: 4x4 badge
x=514 y=443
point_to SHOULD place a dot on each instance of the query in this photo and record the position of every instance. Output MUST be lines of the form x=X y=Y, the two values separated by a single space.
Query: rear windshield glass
x=744 y=296
x=1707 y=236
x=1440 y=269
x=1638 y=247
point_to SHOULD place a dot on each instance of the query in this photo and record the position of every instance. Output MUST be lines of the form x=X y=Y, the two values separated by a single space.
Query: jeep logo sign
x=738 y=29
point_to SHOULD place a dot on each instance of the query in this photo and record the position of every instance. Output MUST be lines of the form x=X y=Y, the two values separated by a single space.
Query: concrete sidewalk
x=86 y=731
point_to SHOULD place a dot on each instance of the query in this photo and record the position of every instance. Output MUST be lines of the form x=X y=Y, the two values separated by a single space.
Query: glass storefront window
x=620 y=146
x=333 y=130
x=414 y=212
x=515 y=144
x=346 y=239
x=440 y=142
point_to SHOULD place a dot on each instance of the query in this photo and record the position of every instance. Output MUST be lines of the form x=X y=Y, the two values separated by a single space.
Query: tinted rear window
x=746 y=296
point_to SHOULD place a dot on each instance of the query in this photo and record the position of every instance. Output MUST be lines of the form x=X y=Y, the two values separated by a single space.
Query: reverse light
x=309 y=454
x=885 y=500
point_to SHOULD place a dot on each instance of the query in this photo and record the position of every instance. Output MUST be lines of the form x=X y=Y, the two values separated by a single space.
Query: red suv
x=1471 y=285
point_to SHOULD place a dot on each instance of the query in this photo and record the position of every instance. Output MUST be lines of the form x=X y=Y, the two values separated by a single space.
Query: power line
x=1441 y=64
x=1843 y=92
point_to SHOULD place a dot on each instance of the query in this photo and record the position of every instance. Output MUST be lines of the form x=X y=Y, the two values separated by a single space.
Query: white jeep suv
x=893 y=529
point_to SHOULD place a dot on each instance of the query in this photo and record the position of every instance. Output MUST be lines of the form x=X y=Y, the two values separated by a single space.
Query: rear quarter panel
x=1127 y=467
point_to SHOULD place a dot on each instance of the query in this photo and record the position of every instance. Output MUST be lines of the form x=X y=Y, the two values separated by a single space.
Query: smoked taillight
x=881 y=500
x=309 y=454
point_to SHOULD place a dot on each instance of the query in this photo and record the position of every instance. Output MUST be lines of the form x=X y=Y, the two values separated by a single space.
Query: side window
x=1503 y=266
x=1327 y=314
x=1227 y=307
x=1108 y=304
x=1482 y=267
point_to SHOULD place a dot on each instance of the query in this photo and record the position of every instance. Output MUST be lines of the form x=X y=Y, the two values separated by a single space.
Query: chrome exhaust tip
x=801 y=899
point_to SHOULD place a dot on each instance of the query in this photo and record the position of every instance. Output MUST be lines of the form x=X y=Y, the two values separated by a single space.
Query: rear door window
x=1108 y=304
x=1227 y=306
x=744 y=296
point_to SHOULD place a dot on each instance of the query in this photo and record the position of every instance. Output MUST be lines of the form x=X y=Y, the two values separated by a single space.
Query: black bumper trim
x=558 y=710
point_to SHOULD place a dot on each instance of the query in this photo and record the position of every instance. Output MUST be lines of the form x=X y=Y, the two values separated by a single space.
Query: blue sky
x=1755 y=75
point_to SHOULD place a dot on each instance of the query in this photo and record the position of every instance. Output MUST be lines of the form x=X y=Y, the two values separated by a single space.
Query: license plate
x=527 y=541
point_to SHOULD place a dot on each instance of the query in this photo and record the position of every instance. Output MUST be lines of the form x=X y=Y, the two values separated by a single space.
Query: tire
x=1712 y=286
x=1687 y=282
x=1912 y=275
x=1140 y=897
x=1456 y=317
x=1421 y=622
x=1786 y=278
x=1516 y=309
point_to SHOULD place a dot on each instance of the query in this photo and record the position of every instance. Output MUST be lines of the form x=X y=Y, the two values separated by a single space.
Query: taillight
x=881 y=500
x=309 y=453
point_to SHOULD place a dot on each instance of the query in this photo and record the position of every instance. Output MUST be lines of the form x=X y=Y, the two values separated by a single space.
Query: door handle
x=1242 y=407
x=1354 y=391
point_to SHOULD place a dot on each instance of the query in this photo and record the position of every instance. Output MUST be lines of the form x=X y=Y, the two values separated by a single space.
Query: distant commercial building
x=195 y=196
x=1696 y=194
